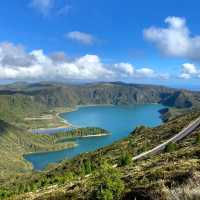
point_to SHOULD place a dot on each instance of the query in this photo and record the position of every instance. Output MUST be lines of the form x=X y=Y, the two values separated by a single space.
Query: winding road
x=185 y=132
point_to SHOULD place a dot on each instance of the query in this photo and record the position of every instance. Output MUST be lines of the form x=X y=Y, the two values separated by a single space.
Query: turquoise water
x=119 y=120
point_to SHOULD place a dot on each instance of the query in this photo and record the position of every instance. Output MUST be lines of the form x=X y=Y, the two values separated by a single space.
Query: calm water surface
x=119 y=120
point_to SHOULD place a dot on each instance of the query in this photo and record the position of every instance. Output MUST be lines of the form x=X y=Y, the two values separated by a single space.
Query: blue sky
x=100 y=40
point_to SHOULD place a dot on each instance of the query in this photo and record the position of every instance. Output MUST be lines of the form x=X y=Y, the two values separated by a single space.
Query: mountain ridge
x=47 y=95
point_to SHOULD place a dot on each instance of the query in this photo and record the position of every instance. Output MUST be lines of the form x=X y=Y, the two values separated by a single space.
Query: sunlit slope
x=153 y=178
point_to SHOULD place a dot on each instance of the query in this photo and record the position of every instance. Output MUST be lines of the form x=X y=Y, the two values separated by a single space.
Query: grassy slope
x=25 y=111
x=35 y=100
x=14 y=108
x=47 y=119
x=146 y=179
x=15 y=142
x=19 y=101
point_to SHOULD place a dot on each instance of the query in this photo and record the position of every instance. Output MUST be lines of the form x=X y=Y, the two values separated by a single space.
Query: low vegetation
x=81 y=132
x=15 y=142
x=125 y=159
x=28 y=106
x=171 y=147
x=197 y=141
x=107 y=183
x=187 y=191
x=81 y=177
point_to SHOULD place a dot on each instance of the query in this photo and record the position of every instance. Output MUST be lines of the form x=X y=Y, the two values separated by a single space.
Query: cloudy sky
x=137 y=41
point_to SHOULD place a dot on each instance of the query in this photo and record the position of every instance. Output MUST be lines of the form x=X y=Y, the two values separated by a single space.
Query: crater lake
x=118 y=120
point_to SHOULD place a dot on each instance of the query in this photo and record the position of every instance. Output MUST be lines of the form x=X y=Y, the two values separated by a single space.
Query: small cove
x=118 y=120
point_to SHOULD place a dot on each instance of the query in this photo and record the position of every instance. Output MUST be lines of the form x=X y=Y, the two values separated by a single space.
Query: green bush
x=108 y=183
x=170 y=147
x=197 y=141
x=87 y=167
x=4 y=194
x=125 y=159
x=105 y=195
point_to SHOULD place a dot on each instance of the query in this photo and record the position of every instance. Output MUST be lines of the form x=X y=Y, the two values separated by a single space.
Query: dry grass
x=188 y=191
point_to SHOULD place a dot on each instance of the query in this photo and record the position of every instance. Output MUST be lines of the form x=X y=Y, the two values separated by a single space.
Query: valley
x=99 y=100
x=26 y=107
x=156 y=177
x=119 y=121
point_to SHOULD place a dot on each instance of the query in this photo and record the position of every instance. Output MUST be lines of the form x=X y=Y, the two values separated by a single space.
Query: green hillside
x=25 y=106
x=157 y=177
x=17 y=100
x=14 y=107
x=15 y=142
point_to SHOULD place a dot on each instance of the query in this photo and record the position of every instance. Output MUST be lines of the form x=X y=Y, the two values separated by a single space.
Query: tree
x=170 y=147
x=108 y=183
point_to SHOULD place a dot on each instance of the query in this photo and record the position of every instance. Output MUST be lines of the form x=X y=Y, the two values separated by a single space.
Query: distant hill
x=59 y=94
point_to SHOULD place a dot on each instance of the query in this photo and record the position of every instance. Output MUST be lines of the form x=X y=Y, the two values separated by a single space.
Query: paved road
x=186 y=131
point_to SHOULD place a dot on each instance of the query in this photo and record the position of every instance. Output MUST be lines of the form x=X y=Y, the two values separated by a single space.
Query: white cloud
x=88 y=67
x=175 y=40
x=17 y=64
x=84 y=38
x=14 y=55
x=43 y=6
x=185 y=76
x=64 y=10
x=125 y=68
x=145 y=72
x=59 y=57
x=128 y=70
x=189 y=70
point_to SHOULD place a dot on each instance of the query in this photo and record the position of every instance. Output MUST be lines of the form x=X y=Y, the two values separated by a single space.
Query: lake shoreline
x=41 y=152
x=147 y=114
x=97 y=135
x=77 y=107
x=86 y=136
x=75 y=145
x=67 y=124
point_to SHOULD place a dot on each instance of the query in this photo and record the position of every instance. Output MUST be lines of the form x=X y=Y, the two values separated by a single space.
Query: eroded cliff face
x=53 y=94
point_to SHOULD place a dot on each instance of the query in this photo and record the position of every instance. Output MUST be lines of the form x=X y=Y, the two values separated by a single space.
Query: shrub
x=170 y=147
x=4 y=194
x=197 y=141
x=108 y=184
x=105 y=195
x=87 y=167
x=125 y=159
